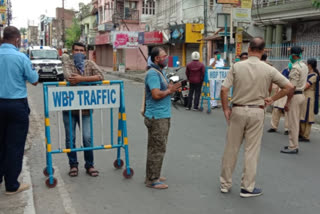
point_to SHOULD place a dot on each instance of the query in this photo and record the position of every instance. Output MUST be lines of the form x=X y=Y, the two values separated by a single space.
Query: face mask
x=79 y=61
x=294 y=60
x=237 y=60
x=164 y=62
x=290 y=65
x=218 y=57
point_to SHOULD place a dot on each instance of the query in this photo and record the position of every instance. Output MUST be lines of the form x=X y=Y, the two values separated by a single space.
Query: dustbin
x=122 y=68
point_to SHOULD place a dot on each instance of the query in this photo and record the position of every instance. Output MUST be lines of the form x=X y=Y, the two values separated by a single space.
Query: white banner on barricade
x=83 y=97
x=217 y=74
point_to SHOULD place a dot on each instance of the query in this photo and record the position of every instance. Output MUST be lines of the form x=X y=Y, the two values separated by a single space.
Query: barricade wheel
x=55 y=182
x=116 y=165
x=126 y=175
x=208 y=111
x=45 y=171
x=201 y=109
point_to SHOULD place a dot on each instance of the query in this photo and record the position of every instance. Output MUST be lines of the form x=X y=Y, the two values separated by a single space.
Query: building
x=32 y=35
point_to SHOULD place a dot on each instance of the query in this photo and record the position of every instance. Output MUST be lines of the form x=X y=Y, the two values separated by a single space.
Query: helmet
x=195 y=55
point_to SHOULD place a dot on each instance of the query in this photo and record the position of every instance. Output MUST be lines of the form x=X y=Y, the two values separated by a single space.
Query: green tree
x=23 y=31
x=73 y=33
x=316 y=3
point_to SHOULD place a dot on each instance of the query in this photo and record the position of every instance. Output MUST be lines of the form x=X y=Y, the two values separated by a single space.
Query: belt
x=249 y=106
x=12 y=100
x=298 y=92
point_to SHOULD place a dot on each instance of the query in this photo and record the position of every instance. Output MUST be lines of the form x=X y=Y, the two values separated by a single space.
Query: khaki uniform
x=307 y=111
x=278 y=112
x=250 y=80
x=298 y=78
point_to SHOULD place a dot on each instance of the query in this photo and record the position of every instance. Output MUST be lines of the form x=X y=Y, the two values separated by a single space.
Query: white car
x=45 y=60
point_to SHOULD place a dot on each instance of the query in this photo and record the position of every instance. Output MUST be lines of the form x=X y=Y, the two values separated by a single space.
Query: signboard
x=103 y=39
x=193 y=33
x=239 y=39
x=242 y=14
x=246 y=4
x=125 y=39
x=228 y=1
x=83 y=97
x=3 y=12
x=155 y=37
x=177 y=33
x=217 y=74
x=141 y=38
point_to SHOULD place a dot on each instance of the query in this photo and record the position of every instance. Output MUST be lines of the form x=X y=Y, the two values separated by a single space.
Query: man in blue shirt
x=157 y=116
x=15 y=70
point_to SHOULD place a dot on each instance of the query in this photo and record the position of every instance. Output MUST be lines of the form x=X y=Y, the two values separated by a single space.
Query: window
x=133 y=5
x=148 y=8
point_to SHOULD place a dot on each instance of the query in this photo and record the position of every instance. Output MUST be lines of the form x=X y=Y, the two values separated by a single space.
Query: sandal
x=157 y=185
x=92 y=172
x=160 y=179
x=73 y=171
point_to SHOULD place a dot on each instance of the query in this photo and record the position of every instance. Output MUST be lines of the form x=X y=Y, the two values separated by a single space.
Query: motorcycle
x=183 y=93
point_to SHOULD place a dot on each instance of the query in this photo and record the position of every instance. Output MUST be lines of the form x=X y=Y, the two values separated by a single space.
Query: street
x=192 y=166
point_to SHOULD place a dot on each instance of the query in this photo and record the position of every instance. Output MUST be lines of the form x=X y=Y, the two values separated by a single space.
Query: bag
x=143 y=106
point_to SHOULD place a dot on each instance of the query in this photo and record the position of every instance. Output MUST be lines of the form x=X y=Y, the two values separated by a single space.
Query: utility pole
x=205 y=29
x=63 y=24
x=8 y=12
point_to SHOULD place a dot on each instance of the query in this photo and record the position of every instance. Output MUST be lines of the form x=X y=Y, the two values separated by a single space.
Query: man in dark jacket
x=195 y=74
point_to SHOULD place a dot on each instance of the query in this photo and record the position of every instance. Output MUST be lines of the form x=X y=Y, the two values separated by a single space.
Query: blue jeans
x=88 y=155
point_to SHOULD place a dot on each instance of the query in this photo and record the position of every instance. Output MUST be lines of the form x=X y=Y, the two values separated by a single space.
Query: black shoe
x=302 y=139
x=286 y=150
x=246 y=194
x=272 y=130
x=286 y=133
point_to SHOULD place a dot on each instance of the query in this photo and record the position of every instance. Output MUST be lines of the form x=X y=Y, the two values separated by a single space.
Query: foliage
x=316 y=3
x=73 y=33
x=23 y=31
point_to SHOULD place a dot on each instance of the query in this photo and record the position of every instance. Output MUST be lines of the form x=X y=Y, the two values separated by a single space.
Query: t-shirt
x=157 y=109
x=251 y=80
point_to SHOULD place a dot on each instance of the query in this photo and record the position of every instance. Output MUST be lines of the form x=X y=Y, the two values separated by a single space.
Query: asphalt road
x=192 y=166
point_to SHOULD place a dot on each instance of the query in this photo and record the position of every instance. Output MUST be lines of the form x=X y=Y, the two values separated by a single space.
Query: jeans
x=14 y=125
x=88 y=155
x=196 y=89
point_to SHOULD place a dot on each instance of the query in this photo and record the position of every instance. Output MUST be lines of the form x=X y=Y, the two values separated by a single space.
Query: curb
x=126 y=76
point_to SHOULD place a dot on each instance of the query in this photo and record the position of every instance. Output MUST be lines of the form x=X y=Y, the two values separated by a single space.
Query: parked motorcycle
x=182 y=94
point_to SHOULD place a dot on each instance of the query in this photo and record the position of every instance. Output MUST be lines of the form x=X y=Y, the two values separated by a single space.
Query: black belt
x=249 y=106
x=298 y=92
x=12 y=100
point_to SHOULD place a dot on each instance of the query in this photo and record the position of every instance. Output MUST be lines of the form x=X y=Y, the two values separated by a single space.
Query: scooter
x=183 y=93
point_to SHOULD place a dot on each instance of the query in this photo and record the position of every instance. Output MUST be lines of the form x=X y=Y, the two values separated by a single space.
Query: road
x=192 y=166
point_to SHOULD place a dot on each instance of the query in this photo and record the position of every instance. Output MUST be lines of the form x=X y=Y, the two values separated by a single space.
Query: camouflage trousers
x=158 y=130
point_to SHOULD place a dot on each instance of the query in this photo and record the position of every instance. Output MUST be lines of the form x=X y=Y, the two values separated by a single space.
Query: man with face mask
x=15 y=70
x=78 y=70
x=157 y=113
x=298 y=77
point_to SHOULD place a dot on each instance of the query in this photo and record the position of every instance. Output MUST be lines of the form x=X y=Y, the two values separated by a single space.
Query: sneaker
x=188 y=108
x=303 y=139
x=224 y=190
x=286 y=132
x=21 y=188
x=246 y=194
x=287 y=150
x=272 y=130
x=195 y=109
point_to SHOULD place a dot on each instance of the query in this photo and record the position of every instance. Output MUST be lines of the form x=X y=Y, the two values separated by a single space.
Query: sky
x=24 y=10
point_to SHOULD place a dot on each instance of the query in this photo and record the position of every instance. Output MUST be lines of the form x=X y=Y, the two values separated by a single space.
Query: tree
x=73 y=33
x=316 y=3
x=23 y=31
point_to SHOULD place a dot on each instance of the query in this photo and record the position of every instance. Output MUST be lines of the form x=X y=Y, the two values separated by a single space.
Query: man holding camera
x=195 y=75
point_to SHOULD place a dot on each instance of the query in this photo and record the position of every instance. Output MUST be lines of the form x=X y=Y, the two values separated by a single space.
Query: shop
x=104 y=50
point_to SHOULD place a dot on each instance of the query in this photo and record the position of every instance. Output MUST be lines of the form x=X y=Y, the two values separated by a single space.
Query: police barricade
x=217 y=75
x=98 y=96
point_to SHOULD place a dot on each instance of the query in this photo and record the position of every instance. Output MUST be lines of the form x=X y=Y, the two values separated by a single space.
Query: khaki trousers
x=294 y=120
x=276 y=115
x=305 y=129
x=245 y=123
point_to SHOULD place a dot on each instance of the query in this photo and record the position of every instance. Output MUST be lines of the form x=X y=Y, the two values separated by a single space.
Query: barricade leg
x=118 y=163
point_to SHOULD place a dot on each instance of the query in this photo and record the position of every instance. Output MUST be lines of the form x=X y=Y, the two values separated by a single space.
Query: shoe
x=286 y=133
x=195 y=109
x=272 y=130
x=21 y=188
x=224 y=190
x=246 y=194
x=303 y=139
x=287 y=150
x=188 y=108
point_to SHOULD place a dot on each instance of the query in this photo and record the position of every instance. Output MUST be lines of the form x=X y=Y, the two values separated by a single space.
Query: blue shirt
x=157 y=109
x=15 y=69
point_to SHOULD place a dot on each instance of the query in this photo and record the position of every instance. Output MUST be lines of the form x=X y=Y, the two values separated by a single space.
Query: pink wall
x=135 y=60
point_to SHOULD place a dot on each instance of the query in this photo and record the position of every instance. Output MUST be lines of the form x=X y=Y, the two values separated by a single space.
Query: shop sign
x=246 y=4
x=103 y=39
x=155 y=37
x=228 y=1
x=125 y=39
x=242 y=14
x=193 y=33
x=177 y=34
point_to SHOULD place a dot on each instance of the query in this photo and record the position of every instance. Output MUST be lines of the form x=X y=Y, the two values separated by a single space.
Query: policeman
x=250 y=80
x=298 y=77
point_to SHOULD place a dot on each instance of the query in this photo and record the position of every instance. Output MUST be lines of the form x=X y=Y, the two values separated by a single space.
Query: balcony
x=282 y=10
x=122 y=15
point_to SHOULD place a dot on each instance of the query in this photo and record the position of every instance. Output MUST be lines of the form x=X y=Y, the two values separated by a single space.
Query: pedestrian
x=298 y=77
x=195 y=75
x=15 y=70
x=215 y=85
x=243 y=56
x=65 y=57
x=250 y=80
x=157 y=113
x=76 y=71
x=311 y=103
x=278 y=110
